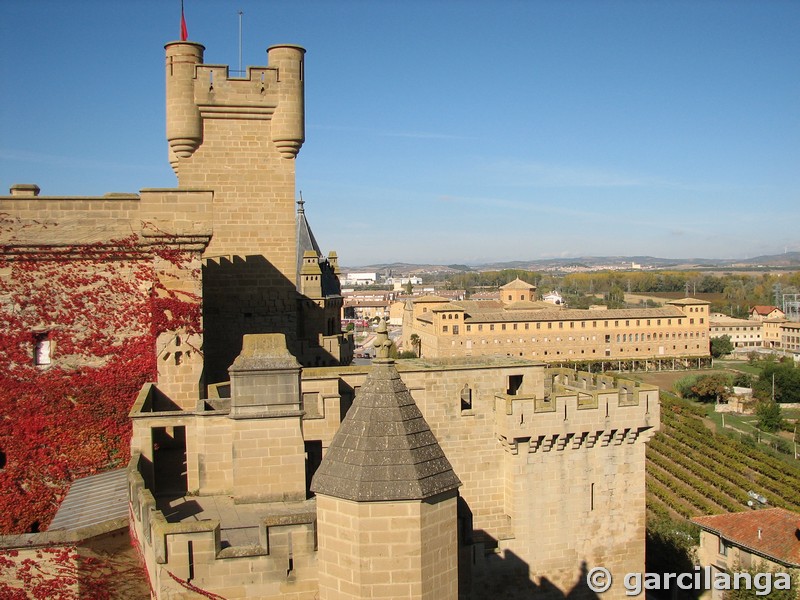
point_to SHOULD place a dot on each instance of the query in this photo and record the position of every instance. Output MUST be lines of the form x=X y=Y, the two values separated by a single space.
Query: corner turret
x=386 y=499
x=288 y=122
x=184 y=125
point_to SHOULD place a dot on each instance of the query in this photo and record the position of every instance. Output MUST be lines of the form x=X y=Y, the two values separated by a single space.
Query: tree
x=786 y=379
x=409 y=288
x=415 y=343
x=743 y=380
x=766 y=583
x=769 y=415
x=683 y=386
x=712 y=388
x=616 y=297
x=720 y=346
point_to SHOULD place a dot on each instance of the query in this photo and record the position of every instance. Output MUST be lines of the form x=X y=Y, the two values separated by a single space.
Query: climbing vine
x=100 y=308
x=66 y=573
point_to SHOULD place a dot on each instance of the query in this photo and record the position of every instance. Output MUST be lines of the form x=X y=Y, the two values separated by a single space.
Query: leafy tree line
x=737 y=292
x=475 y=279
x=786 y=377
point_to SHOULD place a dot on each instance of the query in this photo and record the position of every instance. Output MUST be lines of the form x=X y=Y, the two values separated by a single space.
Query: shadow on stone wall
x=669 y=554
x=507 y=576
x=486 y=576
x=248 y=294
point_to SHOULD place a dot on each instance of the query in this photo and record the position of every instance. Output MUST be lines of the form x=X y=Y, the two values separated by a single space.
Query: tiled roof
x=529 y=305
x=472 y=306
x=685 y=301
x=731 y=321
x=482 y=296
x=575 y=314
x=384 y=449
x=518 y=284
x=778 y=539
x=430 y=298
x=447 y=307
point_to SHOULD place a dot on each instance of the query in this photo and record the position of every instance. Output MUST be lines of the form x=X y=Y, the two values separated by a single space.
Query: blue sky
x=449 y=131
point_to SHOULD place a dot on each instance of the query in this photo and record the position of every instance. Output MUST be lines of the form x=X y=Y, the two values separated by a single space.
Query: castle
x=263 y=465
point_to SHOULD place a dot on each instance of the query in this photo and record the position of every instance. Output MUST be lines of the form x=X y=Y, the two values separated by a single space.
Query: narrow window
x=466 y=398
x=313 y=450
x=190 y=552
x=41 y=354
x=514 y=383
x=290 y=566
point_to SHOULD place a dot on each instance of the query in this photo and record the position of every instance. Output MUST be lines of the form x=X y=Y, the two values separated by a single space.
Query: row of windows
x=622 y=351
x=620 y=338
x=538 y=325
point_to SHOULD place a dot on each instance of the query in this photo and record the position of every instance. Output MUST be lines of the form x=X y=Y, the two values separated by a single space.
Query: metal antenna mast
x=241 y=71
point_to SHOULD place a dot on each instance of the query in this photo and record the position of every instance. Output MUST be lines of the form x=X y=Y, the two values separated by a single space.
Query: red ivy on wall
x=68 y=573
x=101 y=307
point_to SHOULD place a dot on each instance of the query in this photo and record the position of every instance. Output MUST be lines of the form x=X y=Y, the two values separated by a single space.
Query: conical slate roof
x=384 y=449
x=305 y=237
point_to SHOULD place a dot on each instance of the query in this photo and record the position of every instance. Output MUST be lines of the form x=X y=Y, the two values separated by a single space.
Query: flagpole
x=184 y=32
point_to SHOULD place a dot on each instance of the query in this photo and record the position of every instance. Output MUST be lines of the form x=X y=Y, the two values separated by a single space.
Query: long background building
x=517 y=325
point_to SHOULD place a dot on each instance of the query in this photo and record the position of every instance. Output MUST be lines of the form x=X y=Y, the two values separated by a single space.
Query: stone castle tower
x=239 y=137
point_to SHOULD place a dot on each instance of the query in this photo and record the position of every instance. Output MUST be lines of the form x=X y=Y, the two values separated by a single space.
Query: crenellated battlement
x=198 y=91
x=276 y=545
x=578 y=410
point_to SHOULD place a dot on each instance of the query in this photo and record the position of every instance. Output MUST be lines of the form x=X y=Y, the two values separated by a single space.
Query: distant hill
x=785 y=260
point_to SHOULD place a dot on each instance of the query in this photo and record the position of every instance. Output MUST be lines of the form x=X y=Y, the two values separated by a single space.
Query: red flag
x=184 y=32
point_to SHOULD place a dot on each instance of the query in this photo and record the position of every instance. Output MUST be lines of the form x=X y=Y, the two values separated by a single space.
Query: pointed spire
x=300 y=203
x=384 y=449
x=383 y=345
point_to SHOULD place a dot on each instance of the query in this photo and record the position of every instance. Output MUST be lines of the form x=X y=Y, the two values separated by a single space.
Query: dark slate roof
x=305 y=237
x=384 y=449
x=93 y=500
x=307 y=242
